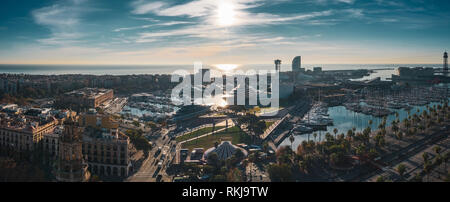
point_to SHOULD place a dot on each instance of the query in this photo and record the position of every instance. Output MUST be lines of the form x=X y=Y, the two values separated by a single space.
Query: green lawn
x=234 y=134
x=197 y=133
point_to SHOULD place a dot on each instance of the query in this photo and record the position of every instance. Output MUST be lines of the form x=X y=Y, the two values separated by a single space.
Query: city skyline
x=225 y=32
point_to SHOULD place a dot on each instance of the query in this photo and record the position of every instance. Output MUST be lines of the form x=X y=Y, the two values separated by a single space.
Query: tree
x=280 y=172
x=380 y=179
x=425 y=157
x=238 y=155
x=213 y=159
x=291 y=139
x=437 y=149
x=139 y=141
x=350 y=134
x=401 y=170
x=335 y=131
x=399 y=135
x=394 y=126
x=438 y=162
x=284 y=155
x=427 y=169
x=234 y=175
x=373 y=153
x=445 y=159
x=379 y=140
x=253 y=124
x=417 y=178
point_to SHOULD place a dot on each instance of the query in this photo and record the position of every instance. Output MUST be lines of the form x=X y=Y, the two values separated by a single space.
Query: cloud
x=205 y=14
x=323 y=2
x=347 y=1
x=171 y=23
x=62 y=19
x=356 y=13
x=142 y=7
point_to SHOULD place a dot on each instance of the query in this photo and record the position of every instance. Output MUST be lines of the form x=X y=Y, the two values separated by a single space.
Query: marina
x=344 y=120
x=149 y=107
x=357 y=112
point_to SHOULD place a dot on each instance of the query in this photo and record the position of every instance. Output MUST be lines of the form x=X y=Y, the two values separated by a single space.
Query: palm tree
x=417 y=178
x=425 y=157
x=427 y=169
x=445 y=159
x=394 y=126
x=315 y=135
x=438 y=162
x=350 y=134
x=400 y=135
x=292 y=139
x=335 y=131
x=380 y=179
x=437 y=149
x=401 y=170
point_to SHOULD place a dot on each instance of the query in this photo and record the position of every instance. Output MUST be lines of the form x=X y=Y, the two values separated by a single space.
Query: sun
x=225 y=14
x=226 y=67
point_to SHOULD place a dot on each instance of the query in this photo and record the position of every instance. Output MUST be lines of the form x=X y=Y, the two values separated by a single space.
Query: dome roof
x=224 y=150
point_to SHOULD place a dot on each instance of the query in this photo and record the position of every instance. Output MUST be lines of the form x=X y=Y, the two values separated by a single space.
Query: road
x=414 y=164
x=407 y=152
x=149 y=171
x=256 y=174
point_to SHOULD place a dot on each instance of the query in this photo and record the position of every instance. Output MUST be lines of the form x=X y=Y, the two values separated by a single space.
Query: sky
x=223 y=32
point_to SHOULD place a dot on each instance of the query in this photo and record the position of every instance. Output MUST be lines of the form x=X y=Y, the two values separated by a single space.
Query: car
x=158 y=178
x=158 y=151
x=160 y=164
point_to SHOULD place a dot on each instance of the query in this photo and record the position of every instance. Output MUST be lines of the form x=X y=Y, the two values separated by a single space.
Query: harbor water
x=345 y=120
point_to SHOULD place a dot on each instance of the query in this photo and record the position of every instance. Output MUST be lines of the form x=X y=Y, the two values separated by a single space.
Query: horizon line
x=165 y=64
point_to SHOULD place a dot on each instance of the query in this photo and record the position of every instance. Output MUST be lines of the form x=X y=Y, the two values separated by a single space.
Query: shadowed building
x=20 y=133
x=106 y=148
x=84 y=98
x=297 y=64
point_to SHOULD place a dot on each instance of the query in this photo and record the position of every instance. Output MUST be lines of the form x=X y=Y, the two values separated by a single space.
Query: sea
x=387 y=69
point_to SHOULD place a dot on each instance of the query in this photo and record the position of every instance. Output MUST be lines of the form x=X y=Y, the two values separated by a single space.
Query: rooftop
x=88 y=92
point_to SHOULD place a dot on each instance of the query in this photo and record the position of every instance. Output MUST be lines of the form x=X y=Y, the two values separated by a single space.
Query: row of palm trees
x=439 y=160
x=366 y=143
x=430 y=117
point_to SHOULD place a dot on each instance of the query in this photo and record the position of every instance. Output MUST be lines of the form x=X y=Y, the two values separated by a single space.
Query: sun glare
x=226 y=14
x=226 y=67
